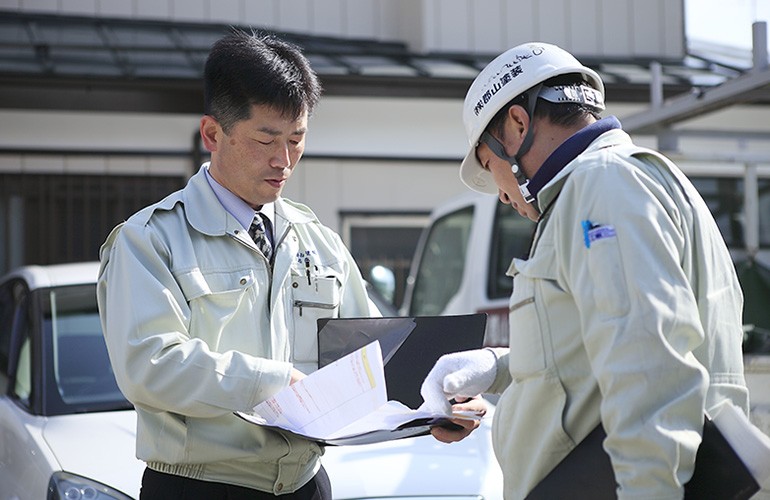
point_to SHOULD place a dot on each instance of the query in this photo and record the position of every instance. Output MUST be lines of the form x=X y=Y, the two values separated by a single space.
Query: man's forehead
x=271 y=130
x=274 y=121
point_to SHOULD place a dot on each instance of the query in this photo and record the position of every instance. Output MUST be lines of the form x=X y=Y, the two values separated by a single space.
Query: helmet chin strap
x=499 y=150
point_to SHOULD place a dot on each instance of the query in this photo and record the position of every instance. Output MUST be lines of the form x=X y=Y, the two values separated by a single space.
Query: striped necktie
x=259 y=235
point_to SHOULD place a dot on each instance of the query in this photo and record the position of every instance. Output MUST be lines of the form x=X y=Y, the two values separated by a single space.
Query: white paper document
x=345 y=402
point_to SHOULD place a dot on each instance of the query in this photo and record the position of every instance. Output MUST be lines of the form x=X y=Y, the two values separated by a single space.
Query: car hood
x=99 y=446
x=417 y=467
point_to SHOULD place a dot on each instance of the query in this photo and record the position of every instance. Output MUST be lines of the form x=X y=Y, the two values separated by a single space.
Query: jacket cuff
x=503 y=377
x=272 y=377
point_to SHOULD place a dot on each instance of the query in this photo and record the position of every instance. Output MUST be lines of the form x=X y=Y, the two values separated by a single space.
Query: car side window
x=511 y=237
x=7 y=308
x=442 y=263
x=12 y=304
x=22 y=387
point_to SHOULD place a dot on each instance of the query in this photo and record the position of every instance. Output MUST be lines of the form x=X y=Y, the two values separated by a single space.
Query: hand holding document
x=345 y=402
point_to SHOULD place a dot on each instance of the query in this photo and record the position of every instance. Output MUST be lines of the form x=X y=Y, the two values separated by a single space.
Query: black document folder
x=410 y=345
x=586 y=473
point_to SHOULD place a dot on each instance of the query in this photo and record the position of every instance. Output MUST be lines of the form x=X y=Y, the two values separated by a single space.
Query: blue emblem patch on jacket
x=593 y=232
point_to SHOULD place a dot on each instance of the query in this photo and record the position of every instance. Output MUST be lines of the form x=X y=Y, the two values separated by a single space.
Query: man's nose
x=281 y=157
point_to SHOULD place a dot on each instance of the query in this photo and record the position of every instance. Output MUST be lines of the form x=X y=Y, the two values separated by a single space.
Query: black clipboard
x=410 y=345
x=587 y=474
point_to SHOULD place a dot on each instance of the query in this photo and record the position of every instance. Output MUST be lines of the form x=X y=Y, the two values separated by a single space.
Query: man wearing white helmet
x=627 y=312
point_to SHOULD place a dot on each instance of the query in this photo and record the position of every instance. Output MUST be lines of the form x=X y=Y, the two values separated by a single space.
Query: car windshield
x=81 y=368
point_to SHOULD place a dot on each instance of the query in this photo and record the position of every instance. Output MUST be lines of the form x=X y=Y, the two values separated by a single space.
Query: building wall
x=597 y=27
x=407 y=148
x=363 y=154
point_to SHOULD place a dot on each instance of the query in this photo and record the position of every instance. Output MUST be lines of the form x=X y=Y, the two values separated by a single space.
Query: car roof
x=462 y=200
x=78 y=273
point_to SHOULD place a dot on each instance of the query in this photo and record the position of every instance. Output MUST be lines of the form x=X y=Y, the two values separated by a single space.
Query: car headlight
x=66 y=486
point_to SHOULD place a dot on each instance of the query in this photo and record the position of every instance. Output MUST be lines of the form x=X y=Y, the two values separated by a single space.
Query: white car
x=66 y=431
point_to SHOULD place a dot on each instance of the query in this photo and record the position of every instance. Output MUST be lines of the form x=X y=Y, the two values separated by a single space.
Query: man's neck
x=548 y=137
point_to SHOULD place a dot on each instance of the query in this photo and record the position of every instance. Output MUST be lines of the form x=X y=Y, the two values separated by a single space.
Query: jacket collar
x=207 y=215
x=567 y=152
x=607 y=137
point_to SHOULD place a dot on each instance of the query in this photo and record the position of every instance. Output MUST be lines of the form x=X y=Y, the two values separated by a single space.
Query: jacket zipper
x=302 y=303
x=521 y=304
x=270 y=264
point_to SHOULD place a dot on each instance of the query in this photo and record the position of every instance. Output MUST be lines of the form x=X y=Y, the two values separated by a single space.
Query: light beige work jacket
x=628 y=313
x=198 y=326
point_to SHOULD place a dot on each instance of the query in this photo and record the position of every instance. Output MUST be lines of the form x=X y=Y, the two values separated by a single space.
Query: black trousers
x=161 y=486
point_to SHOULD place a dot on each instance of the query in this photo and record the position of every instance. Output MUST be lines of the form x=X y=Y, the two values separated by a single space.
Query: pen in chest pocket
x=314 y=279
x=309 y=267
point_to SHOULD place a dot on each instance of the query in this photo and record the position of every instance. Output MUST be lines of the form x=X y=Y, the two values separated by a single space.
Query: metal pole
x=656 y=85
x=759 y=45
x=751 y=210
x=666 y=141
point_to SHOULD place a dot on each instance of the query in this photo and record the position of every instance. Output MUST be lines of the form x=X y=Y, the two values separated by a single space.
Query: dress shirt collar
x=238 y=208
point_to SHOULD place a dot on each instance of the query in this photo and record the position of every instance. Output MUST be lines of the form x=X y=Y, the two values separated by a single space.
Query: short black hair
x=563 y=114
x=247 y=69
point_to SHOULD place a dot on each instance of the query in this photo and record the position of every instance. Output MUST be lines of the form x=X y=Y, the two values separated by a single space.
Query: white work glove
x=462 y=374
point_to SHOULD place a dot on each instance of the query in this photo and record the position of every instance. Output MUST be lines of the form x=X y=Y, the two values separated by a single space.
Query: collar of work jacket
x=567 y=152
x=609 y=134
x=207 y=215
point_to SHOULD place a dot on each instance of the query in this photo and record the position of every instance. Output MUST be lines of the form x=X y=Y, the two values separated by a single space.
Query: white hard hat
x=509 y=75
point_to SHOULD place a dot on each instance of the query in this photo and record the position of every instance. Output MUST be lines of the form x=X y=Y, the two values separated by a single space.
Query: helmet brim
x=475 y=177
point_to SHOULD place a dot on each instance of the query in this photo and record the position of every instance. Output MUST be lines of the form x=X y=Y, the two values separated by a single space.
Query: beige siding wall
x=419 y=144
x=586 y=27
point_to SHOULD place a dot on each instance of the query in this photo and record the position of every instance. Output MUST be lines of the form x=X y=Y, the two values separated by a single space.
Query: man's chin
x=270 y=198
x=257 y=203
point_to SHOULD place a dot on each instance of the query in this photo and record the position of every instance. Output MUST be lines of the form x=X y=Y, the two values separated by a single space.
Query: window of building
x=724 y=197
x=51 y=219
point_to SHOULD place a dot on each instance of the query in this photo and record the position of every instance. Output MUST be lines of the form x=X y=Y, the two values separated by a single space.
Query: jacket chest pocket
x=218 y=301
x=313 y=297
x=529 y=326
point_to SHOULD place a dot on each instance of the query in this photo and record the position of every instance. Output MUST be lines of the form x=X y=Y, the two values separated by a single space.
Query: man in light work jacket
x=627 y=312
x=209 y=298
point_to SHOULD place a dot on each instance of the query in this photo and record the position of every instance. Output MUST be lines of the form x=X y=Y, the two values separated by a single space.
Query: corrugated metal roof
x=123 y=57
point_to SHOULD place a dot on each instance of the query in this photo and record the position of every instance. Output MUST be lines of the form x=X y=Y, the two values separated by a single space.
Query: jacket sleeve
x=157 y=364
x=620 y=257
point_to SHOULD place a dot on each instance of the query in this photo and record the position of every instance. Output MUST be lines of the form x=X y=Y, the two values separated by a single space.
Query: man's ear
x=211 y=133
x=517 y=124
